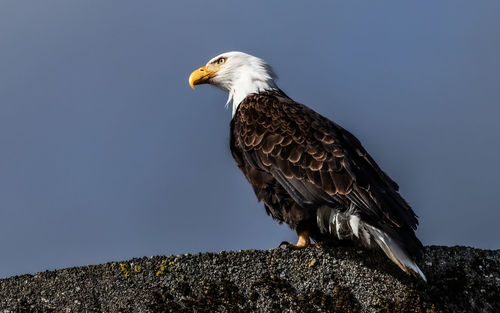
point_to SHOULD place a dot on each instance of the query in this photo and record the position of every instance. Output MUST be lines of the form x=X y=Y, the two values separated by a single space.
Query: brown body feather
x=298 y=161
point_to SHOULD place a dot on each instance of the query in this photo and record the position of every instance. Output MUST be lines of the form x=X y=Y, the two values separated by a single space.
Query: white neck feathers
x=247 y=84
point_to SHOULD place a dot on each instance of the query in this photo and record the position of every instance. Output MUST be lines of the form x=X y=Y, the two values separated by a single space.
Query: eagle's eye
x=221 y=60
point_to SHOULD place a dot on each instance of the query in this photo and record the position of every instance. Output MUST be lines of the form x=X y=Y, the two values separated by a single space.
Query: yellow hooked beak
x=201 y=76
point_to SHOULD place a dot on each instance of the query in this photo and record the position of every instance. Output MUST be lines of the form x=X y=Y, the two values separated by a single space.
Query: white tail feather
x=345 y=225
x=337 y=225
x=354 y=223
x=394 y=251
x=331 y=221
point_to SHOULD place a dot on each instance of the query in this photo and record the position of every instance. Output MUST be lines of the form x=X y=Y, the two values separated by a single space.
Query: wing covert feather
x=319 y=159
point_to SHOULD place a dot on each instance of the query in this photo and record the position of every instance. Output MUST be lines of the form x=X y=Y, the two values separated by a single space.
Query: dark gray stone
x=324 y=279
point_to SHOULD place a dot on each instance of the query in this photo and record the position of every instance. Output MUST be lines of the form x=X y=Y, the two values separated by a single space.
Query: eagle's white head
x=237 y=73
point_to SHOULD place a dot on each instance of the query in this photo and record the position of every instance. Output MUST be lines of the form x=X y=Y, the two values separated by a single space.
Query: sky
x=107 y=154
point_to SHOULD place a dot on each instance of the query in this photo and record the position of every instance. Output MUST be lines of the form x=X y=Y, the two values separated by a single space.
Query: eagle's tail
x=346 y=225
x=394 y=251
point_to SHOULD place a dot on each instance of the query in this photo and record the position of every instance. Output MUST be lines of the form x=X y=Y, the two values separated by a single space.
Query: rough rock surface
x=323 y=279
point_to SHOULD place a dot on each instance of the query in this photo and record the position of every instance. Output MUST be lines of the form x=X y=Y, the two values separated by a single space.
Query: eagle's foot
x=287 y=245
x=291 y=246
x=302 y=243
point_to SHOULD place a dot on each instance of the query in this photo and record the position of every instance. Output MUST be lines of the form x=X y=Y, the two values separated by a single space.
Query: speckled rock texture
x=317 y=279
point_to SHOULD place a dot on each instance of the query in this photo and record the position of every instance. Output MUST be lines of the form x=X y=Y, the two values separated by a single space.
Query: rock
x=324 y=279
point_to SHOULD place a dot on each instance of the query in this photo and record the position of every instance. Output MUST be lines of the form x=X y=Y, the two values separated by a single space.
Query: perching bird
x=310 y=173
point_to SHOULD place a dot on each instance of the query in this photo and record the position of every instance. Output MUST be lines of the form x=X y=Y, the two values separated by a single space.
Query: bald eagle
x=310 y=172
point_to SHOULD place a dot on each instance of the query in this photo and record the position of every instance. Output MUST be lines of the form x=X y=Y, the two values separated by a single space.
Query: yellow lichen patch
x=312 y=263
x=137 y=268
x=124 y=270
x=166 y=266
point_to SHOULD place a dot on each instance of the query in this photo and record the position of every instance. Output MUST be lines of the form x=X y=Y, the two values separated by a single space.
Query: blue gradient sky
x=107 y=154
